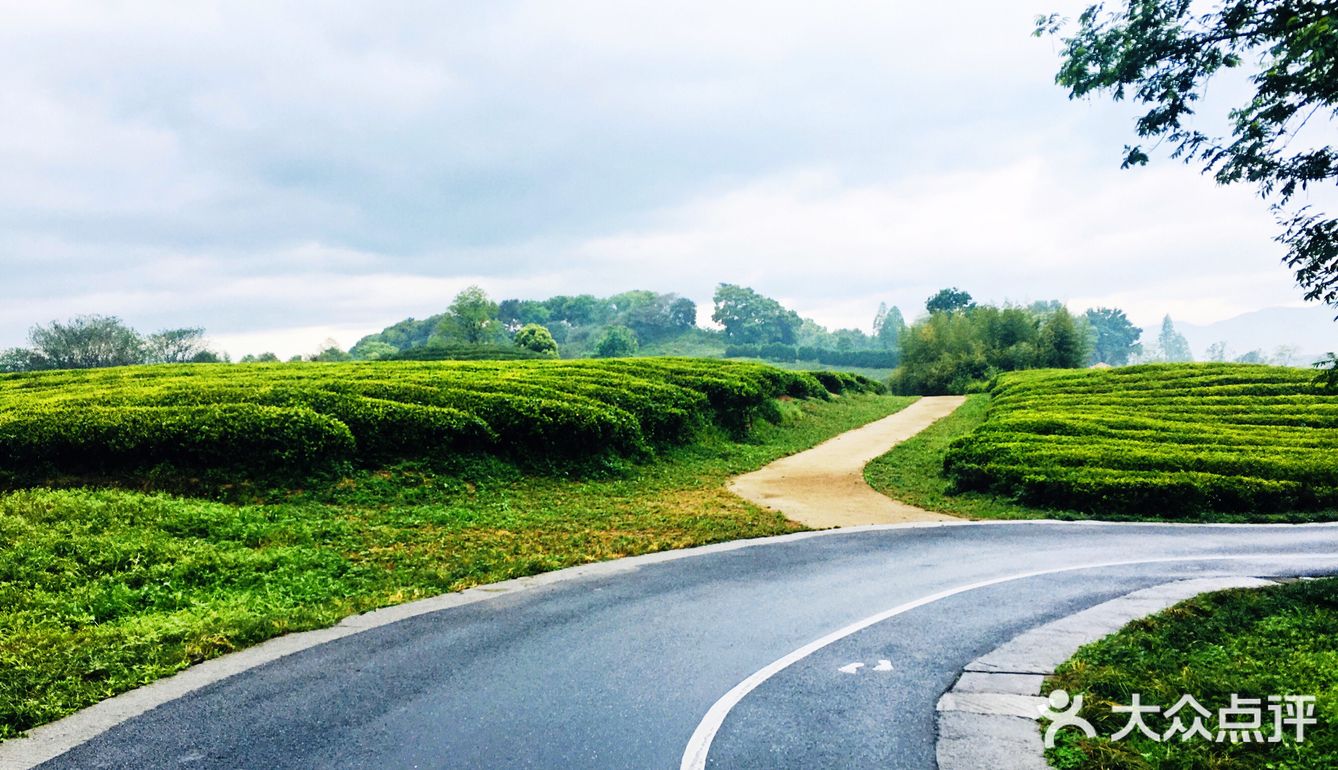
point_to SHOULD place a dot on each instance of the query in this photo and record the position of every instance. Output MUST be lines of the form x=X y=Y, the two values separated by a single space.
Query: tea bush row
x=300 y=416
x=1170 y=440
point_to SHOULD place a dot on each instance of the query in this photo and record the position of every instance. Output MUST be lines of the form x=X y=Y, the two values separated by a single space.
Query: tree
x=683 y=313
x=1252 y=357
x=472 y=316
x=85 y=342
x=617 y=342
x=1115 y=336
x=1284 y=355
x=1172 y=344
x=750 y=318
x=1063 y=346
x=330 y=351
x=175 y=346
x=888 y=326
x=537 y=338
x=515 y=313
x=263 y=358
x=1216 y=351
x=1163 y=53
x=372 y=350
x=949 y=301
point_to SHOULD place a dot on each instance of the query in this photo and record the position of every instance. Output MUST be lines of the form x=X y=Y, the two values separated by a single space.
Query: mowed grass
x=1188 y=442
x=1280 y=640
x=102 y=590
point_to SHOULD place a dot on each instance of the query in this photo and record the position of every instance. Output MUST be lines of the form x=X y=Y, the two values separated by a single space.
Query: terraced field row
x=303 y=416
x=1156 y=440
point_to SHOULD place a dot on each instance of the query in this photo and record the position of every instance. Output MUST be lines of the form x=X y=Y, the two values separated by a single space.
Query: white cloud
x=261 y=167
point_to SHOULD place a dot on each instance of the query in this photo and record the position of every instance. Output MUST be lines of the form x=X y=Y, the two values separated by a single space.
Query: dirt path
x=824 y=486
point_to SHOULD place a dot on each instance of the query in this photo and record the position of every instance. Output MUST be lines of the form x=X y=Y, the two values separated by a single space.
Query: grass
x=912 y=472
x=103 y=590
x=1279 y=640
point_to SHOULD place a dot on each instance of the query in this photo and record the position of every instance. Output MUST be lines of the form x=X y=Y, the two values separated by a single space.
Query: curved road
x=636 y=669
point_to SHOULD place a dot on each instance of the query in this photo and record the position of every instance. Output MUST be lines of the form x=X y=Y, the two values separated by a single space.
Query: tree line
x=95 y=341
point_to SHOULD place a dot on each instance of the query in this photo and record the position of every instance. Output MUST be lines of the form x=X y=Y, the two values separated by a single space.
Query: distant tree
x=1164 y=53
x=1285 y=355
x=1062 y=345
x=888 y=325
x=330 y=351
x=537 y=338
x=175 y=346
x=1172 y=344
x=750 y=318
x=515 y=313
x=263 y=358
x=1115 y=337
x=21 y=360
x=372 y=350
x=472 y=316
x=1216 y=351
x=949 y=301
x=617 y=342
x=296 y=360
x=851 y=339
x=941 y=354
x=1252 y=357
x=1044 y=307
x=683 y=313
x=581 y=310
x=85 y=342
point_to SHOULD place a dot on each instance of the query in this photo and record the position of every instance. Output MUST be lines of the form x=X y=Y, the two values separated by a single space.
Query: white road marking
x=851 y=668
x=694 y=755
x=883 y=665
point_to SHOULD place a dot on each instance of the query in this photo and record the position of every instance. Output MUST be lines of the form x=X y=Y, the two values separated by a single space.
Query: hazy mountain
x=1310 y=329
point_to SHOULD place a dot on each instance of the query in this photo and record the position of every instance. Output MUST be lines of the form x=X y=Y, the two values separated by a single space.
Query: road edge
x=989 y=716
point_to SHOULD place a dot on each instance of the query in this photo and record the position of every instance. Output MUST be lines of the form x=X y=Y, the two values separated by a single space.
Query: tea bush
x=1171 y=440
x=302 y=416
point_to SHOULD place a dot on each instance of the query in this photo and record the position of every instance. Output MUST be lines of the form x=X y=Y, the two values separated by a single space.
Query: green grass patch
x=102 y=590
x=1280 y=640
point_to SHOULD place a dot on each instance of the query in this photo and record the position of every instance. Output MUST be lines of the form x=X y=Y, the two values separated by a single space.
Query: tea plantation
x=1157 y=440
x=302 y=417
x=332 y=489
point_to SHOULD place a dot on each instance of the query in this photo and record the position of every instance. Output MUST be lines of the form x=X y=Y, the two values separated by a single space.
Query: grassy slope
x=102 y=591
x=913 y=472
x=1273 y=641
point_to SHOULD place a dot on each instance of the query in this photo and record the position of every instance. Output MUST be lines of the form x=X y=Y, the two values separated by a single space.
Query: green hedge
x=219 y=434
x=1172 y=440
x=297 y=416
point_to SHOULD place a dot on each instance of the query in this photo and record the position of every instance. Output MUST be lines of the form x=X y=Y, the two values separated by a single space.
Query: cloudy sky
x=285 y=172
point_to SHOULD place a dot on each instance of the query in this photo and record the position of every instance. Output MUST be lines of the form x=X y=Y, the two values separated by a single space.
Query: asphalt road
x=620 y=670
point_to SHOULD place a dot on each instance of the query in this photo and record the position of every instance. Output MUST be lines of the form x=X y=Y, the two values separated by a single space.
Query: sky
x=283 y=172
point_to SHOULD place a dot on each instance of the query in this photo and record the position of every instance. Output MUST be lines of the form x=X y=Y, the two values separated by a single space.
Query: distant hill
x=1310 y=329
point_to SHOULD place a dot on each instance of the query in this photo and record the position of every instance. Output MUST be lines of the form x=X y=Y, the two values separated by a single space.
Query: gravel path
x=824 y=486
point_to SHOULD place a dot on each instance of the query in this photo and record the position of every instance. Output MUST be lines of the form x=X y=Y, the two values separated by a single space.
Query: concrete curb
x=989 y=717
